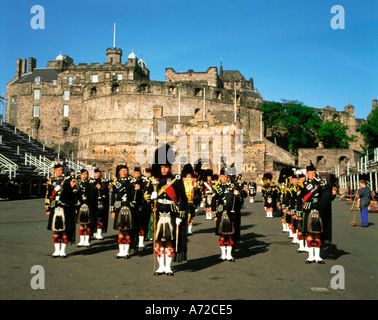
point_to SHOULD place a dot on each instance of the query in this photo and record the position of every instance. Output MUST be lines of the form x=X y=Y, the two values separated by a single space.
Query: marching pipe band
x=161 y=206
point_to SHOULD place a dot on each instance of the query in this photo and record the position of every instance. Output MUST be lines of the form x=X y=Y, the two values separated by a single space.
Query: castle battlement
x=102 y=112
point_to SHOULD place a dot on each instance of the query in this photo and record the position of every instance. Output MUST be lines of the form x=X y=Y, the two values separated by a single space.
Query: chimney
x=374 y=104
x=32 y=64
x=21 y=67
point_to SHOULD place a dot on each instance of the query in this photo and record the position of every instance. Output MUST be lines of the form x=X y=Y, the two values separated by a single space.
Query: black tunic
x=86 y=195
x=121 y=196
x=172 y=199
x=252 y=189
x=63 y=196
x=315 y=194
x=228 y=201
x=102 y=196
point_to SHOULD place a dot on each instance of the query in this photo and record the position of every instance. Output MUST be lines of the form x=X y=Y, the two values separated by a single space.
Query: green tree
x=292 y=121
x=369 y=130
x=273 y=118
x=302 y=125
x=333 y=134
x=299 y=126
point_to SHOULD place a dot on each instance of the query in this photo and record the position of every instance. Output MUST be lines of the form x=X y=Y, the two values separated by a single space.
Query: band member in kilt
x=265 y=183
x=101 y=186
x=294 y=191
x=209 y=192
x=122 y=210
x=171 y=206
x=325 y=208
x=242 y=188
x=269 y=194
x=300 y=235
x=308 y=205
x=227 y=216
x=284 y=181
x=193 y=193
x=141 y=214
x=252 y=188
x=60 y=208
x=86 y=208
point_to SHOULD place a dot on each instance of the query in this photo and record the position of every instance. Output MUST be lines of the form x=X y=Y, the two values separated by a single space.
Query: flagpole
x=235 y=106
x=179 y=115
x=114 y=30
x=204 y=104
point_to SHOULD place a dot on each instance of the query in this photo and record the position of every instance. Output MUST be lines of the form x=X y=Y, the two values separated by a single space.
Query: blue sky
x=287 y=47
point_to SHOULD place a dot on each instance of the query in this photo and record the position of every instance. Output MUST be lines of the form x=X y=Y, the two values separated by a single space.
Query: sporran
x=314 y=222
x=58 y=222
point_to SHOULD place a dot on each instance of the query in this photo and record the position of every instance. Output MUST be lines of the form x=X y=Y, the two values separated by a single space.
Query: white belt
x=165 y=201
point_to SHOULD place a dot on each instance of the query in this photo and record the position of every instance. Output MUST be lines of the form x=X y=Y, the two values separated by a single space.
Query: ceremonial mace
x=155 y=184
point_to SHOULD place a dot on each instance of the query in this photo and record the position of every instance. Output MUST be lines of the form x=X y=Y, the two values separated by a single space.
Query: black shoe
x=127 y=256
x=169 y=274
x=309 y=261
x=231 y=260
x=158 y=273
x=320 y=261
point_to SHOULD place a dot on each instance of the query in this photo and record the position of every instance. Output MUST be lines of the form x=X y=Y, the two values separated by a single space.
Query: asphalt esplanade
x=267 y=265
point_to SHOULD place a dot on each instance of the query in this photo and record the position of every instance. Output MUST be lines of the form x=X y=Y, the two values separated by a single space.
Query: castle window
x=37 y=79
x=93 y=91
x=66 y=95
x=75 y=132
x=69 y=80
x=320 y=160
x=115 y=88
x=37 y=94
x=218 y=95
x=158 y=111
x=198 y=92
x=35 y=111
x=119 y=76
x=94 y=77
x=66 y=110
x=343 y=159
x=143 y=87
x=172 y=90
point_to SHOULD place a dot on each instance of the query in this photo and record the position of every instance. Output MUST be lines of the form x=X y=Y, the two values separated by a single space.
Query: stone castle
x=103 y=113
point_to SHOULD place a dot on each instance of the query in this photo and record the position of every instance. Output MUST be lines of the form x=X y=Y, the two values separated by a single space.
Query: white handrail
x=8 y=166
x=41 y=163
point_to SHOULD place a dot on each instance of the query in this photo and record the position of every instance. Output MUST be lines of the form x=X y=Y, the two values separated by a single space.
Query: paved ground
x=267 y=265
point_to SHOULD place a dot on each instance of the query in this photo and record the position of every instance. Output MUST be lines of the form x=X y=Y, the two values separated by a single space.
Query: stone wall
x=50 y=126
x=209 y=78
x=112 y=116
x=347 y=118
x=325 y=160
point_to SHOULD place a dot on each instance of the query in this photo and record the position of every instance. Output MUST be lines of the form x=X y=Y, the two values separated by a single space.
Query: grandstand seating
x=14 y=145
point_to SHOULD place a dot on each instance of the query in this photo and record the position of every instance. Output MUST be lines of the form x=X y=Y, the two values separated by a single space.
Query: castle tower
x=113 y=55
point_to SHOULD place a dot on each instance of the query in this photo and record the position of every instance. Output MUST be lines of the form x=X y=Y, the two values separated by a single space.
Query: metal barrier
x=8 y=166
